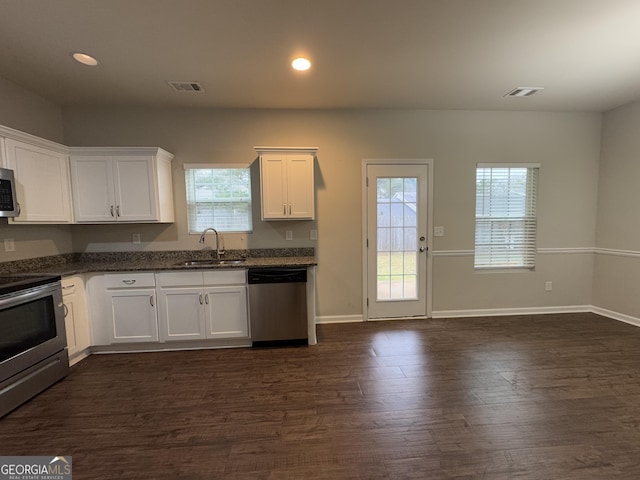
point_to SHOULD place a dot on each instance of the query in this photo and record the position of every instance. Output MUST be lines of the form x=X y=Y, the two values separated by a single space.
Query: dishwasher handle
x=276 y=275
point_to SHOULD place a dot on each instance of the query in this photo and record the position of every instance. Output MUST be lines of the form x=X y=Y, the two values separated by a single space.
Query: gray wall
x=617 y=265
x=25 y=111
x=567 y=145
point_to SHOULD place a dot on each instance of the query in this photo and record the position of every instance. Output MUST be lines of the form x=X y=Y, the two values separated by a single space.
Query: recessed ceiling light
x=523 y=91
x=84 y=59
x=301 y=64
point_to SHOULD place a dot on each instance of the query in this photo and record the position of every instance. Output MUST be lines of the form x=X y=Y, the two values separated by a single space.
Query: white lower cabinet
x=202 y=305
x=130 y=307
x=226 y=312
x=181 y=313
x=76 y=318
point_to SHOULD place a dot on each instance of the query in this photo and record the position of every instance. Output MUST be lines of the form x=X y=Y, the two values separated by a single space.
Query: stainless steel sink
x=212 y=263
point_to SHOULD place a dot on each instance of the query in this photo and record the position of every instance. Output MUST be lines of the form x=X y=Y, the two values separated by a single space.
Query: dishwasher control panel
x=277 y=275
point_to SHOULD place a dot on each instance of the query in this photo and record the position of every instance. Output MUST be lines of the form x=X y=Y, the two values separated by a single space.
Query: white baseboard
x=339 y=319
x=79 y=356
x=495 y=312
x=616 y=316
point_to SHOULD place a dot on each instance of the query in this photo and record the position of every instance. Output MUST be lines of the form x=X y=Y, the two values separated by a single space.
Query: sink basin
x=205 y=263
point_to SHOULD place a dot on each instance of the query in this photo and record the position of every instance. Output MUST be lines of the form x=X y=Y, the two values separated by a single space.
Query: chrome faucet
x=219 y=251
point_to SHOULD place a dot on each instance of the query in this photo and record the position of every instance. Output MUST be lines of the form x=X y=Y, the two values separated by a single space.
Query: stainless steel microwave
x=8 y=204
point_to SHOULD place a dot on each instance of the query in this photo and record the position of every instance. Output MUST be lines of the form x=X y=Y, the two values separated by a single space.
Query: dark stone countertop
x=73 y=264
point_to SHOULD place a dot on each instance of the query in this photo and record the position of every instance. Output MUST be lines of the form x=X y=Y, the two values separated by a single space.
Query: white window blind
x=506 y=221
x=218 y=197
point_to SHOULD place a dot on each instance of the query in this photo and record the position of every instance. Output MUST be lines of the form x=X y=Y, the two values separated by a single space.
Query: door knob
x=422 y=249
x=422 y=238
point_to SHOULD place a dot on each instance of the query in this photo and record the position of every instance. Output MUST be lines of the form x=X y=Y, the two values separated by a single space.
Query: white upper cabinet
x=287 y=183
x=41 y=170
x=121 y=185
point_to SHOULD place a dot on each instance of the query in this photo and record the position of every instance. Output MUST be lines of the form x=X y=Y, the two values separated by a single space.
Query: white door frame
x=365 y=263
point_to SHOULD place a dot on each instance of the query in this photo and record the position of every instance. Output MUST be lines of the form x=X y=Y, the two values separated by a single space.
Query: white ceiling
x=437 y=54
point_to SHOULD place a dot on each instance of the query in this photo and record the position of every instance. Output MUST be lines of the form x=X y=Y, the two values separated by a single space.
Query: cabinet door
x=76 y=317
x=70 y=301
x=42 y=183
x=226 y=312
x=93 y=190
x=272 y=186
x=181 y=314
x=133 y=315
x=300 y=187
x=135 y=189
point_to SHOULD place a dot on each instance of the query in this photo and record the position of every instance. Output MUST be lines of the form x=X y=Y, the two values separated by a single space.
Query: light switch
x=135 y=238
x=438 y=231
x=9 y=245
x=313 y=234
x=288 y=235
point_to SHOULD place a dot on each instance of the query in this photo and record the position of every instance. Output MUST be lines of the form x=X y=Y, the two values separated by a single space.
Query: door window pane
x=396 y=242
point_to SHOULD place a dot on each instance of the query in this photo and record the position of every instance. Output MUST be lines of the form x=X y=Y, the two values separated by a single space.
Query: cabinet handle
x=66 y=310
x=128 y=282
x=111 y=210
x=117 y=210
x=289 y=209
x=19 y=209
x=67 y=287
x=206 y=299
x=284 y=209
x=151 y=301
x=200 y=299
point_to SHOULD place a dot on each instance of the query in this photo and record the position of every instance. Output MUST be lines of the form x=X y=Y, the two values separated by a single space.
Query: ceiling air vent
x=188 y=87
x=524 y=91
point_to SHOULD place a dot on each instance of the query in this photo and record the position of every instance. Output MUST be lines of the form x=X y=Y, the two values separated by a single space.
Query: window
x=505 y=216
x=218 y=197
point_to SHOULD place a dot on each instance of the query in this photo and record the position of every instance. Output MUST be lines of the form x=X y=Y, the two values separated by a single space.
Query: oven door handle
x=29 y=295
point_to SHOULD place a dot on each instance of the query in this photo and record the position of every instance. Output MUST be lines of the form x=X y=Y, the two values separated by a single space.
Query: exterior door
x=397 y=240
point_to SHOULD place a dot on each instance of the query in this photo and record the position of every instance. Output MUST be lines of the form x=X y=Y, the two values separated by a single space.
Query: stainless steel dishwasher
x=278 y=306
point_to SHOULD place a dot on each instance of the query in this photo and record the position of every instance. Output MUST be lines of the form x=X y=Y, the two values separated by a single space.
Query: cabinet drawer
x=129 y=280
x=225 y=277
x=69 y=286
x=179 y=279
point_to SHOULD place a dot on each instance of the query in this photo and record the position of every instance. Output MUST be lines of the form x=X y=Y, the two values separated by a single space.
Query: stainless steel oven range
x=33 y=353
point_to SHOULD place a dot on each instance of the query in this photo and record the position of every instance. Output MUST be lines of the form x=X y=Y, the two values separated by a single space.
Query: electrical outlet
x=135 y=238
x=313 y=234
x=548 y=286
x=438 y=231
x=288 y=235
x=9 y=245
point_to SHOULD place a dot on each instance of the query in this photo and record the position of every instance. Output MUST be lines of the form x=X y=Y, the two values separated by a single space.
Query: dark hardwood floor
x=540 y=397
